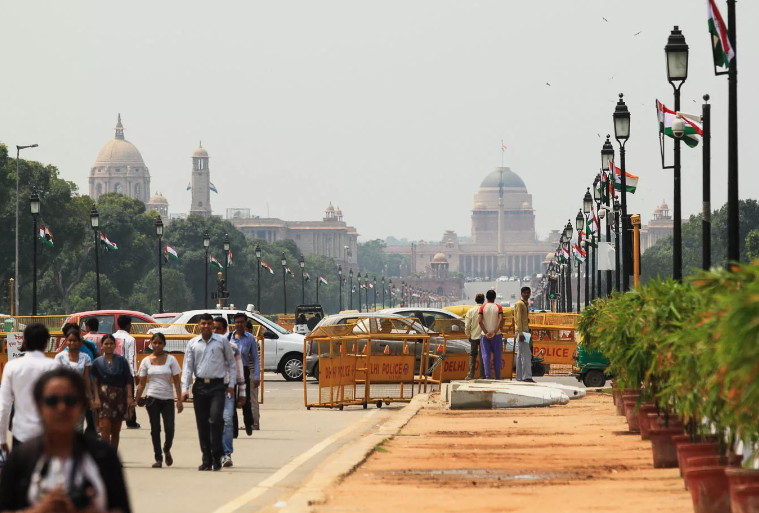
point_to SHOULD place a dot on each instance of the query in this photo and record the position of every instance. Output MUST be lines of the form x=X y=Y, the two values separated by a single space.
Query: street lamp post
x=366 y=290
x=607 y=156
x=18 y=153
x=159 y=233
x=34 y=206
x=593 y=266
x=403 y=294
x=340 y=279
x=587 y=205
x=359 y=292
x=350 y=287
x=284 y=280
x=258 y=284
x=375 y=293
x=95 y=223
x=676 y=51
x=621 y=118
x=597 y=196
x=390 y=287
x=206 y=247
x=617 y=249
x=568 y=248
x=226 y=253
x=579 y=224
x=383 y=292
x=303 y=278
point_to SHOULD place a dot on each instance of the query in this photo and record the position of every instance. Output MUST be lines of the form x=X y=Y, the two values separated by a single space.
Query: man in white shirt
x=19 y=378
x=128 y=351
x=491 y=340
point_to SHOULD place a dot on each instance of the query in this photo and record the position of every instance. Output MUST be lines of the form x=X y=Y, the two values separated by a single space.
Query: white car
x=283 y=349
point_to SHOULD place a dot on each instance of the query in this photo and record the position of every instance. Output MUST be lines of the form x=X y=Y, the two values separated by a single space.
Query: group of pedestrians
x=483 y=324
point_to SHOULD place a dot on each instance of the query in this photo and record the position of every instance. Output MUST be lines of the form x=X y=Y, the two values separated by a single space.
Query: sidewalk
x=579 y=457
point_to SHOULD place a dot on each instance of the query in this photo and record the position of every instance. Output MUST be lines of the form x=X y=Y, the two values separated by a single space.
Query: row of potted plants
x=685 y=358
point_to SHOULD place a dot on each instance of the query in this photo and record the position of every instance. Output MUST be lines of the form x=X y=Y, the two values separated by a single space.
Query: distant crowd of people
x=483 y=324
x=56 y=464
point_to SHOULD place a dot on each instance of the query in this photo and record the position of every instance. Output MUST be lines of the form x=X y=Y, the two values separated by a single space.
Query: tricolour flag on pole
x=229 y=259
x=592 y=221
x=721 y=48
x=170 y=252
x=266 y=266
x=288 y=271
x=667 y=116
x=579 y=253
x=565 y=254
x=109 y=246
x=215 y=263
x=189 y=186
x=306 y=276
x=631 y=181
x=46 y=236
x=323 y=280
x=213 y=187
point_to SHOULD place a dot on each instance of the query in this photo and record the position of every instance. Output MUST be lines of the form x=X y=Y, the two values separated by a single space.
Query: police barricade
x=373 y=360
x=554 y=343
x=450 y=351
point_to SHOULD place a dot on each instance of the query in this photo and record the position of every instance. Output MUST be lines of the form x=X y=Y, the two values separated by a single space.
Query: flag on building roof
x=213 y=187
x=215 y=263
x=170 y=252
x=109 y=246
x=229 y=259
x=266 y=266
x=288 y=271
x=579 y=253
x=46 y=236
x=189 y=186
x=323 y=280
x=503 y=146
x=721 y=48
x=667 y=116
x=631 y=181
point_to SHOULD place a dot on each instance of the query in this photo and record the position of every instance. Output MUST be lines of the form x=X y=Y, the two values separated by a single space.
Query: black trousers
x=157 y=409
x=208 y=399
x=247 y=412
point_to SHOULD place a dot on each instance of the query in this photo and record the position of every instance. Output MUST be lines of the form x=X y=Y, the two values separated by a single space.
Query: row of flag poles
x=46 y=236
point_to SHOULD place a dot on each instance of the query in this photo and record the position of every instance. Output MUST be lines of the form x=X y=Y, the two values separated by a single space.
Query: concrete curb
x=341 y=464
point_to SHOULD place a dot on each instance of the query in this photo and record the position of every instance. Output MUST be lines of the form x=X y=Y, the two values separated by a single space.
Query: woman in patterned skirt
x=113 y=390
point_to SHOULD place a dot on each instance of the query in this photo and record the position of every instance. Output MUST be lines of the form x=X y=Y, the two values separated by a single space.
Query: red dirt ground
x=574 y=458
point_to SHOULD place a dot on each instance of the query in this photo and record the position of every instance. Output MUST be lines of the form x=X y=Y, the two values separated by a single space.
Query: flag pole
x=733 y=219
x=706 y=216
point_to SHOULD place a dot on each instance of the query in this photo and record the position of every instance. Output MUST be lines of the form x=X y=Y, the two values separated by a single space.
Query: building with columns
x=331 y=237
x=200 y=183
x=660 y=227
x=503 y=237
x=119 y=168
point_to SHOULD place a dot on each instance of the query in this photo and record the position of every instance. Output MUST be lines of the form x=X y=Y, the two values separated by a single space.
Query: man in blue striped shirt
x=248 y=347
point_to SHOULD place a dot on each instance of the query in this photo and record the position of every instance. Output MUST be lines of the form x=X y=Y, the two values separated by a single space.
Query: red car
x=107 y=320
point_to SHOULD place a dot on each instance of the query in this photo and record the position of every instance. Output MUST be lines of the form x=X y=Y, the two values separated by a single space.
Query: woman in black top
x=62 y=470
x=113 y=386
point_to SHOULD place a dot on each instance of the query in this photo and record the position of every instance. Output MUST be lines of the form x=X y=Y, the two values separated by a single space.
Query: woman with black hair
x=77 y=360
x=62 y=470
x=112 y=390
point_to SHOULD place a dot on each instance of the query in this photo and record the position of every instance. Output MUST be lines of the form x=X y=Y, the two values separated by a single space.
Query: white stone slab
x=503 y=394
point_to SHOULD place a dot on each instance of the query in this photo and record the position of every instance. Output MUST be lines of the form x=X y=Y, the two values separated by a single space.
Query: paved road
x=288 y=431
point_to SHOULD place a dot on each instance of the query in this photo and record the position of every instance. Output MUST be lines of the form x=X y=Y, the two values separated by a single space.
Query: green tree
x=371 y=256
x=752 y=245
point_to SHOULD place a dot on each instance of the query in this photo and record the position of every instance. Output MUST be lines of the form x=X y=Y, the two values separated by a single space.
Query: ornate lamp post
x=284 y=279
x=567 y=246
x=383 y=292
x=15 y=281
x=34 y=207
x=676 y=51
x=159 y=233
x=303 y=278
x=366 y=290
x=226 y=254
x=350 y=287
x=579 y=224
x=206 y=247
x=340 y=279
x=95 y=223
x=258 y=284
x=390 y=287
x=587 y=205
x=617 y=269
x=359 y=292
x=622 y=134
x=375 y=292
x=607 y=156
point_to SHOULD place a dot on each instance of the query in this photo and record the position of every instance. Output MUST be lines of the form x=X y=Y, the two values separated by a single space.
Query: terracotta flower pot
x=689 y=450
x=663 y=447
x=645 y=427
x=614 y=392
x=744 y=498
x=657 y=421
x=709 y=489
x=713 y=460
x=631 y=414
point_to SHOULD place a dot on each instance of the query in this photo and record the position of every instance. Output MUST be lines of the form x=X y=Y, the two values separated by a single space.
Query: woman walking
x=162 y=368
x=77 y=360
x=62 y=470
x=113 y=390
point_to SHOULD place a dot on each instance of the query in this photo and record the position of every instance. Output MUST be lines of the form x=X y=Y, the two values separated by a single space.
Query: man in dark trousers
x=210 y=359
x=248 y=347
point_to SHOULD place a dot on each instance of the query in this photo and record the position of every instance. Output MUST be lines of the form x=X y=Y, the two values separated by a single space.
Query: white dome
x=119 y=152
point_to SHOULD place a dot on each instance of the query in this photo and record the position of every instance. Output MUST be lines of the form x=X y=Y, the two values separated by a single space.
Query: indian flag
x=667 y=116
x=288 y=271
x=579 y=253
x=216 y=264
x=322 y=280
x=109 y=246
x=266 y=266
x=170 y=252
x=306 y=276
x=229 y=259
x=631 y=181
x=565 y=254
x=213 y=187
x=592 y=221
x=189 y=187
x=721 y=48
x=46 y=236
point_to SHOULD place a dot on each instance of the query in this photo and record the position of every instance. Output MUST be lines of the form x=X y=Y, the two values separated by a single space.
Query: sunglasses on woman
x=70 y=400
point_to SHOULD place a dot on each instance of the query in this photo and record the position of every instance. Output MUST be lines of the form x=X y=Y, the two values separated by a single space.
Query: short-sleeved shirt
x=116 y=374
x=159 y=386
x=84 y=361
x=490 y=313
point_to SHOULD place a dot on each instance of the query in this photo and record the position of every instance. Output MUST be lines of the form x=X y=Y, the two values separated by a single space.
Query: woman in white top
x=78 y=361
x=162 y=369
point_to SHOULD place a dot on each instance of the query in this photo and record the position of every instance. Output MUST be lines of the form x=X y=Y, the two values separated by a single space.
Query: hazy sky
x=392 y=110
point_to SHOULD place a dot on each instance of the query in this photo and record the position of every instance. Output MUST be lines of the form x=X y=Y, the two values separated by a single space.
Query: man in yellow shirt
x=522 y=337
x=473 y=333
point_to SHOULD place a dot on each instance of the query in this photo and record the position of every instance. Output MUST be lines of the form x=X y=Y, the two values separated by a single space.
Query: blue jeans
x=229 y=423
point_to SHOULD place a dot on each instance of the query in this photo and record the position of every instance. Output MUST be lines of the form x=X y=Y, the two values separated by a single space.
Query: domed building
x=160 y=204
x=660 y=227
x=119 y=168
x=503 y=209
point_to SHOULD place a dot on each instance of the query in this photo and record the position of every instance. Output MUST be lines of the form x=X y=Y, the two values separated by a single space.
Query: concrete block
x=503 y=394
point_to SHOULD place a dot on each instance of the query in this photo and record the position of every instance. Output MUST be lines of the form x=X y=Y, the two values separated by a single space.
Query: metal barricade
x=337 y=350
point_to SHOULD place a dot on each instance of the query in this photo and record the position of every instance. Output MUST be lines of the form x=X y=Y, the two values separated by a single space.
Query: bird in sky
x=637 y=33
x=607 y=21
x=549 y=85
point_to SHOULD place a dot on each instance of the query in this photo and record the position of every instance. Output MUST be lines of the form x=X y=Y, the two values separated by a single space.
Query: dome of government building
x=200 y=152
x=158 y=198
x=439 y=259
x=119 y=151
x=511 y=180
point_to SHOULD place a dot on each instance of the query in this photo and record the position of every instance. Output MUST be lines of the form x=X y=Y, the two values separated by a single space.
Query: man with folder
x=523 y=337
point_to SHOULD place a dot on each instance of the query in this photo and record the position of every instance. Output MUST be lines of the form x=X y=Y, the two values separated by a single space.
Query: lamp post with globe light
x=206 y=247
x=95 y=223
x=34 y=207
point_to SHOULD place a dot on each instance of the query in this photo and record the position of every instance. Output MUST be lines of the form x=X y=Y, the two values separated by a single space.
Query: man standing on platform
x=522 y=337
x=491 y=340
x=209 y=358
x=473 y=333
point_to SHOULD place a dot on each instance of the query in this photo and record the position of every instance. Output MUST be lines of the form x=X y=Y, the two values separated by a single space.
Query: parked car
x=427 y=316
x=590 y=367
x=378 y=344
x=164 y=317
x=107 y=321
x=307 y=317
x=283 y=349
